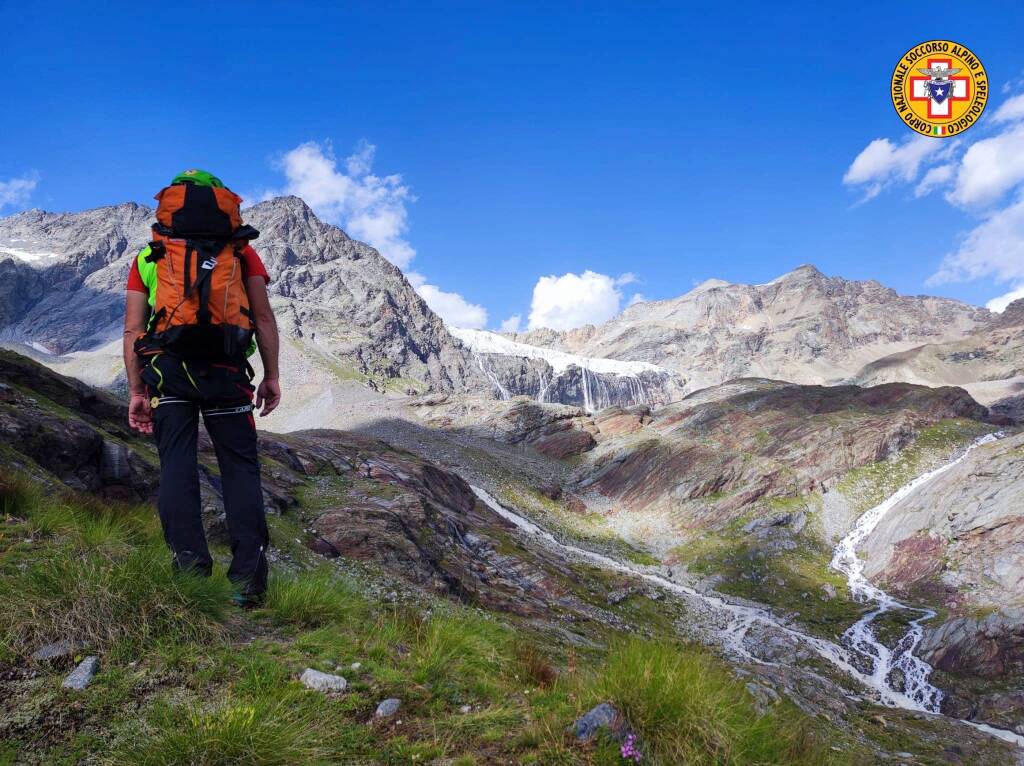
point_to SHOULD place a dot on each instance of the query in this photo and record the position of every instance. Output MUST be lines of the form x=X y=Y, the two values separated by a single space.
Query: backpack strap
x=207 y=250
x=157 y=250
x=188 y=267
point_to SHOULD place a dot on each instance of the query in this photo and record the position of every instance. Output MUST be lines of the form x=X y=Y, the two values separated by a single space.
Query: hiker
x=196 y=308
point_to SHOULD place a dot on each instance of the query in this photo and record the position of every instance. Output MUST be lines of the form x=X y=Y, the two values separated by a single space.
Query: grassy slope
x=187 y=679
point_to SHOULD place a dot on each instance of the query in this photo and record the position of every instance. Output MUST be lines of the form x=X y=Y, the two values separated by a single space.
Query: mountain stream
x=858 y=649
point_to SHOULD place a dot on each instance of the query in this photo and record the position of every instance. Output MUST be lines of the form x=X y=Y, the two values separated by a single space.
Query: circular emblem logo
x=939 y=88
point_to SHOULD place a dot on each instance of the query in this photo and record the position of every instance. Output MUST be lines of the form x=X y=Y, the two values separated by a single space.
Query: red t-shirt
x=252 y=266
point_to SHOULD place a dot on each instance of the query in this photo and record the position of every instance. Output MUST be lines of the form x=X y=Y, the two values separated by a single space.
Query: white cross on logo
x=957 y=92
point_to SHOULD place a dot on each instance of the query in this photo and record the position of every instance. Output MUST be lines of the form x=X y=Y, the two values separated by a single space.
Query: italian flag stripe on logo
x=938 y=130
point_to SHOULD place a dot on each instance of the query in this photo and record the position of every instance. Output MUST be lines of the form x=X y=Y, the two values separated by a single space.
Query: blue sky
x=670 y=142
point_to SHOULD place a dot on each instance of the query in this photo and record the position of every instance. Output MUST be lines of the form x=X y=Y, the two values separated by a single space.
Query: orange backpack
x=199 y=305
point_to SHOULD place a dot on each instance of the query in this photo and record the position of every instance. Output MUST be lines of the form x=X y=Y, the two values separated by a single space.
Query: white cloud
x=990 y=168
x=1000 y=303
x=512 y=324
x=637 y=298
x=369 y=207
x=573 y=300
x=984 y=175
x=883 y=162
x=994 y=248
x=451 y=307
x=1011 y=109
x=16 y=191
x=935 y=178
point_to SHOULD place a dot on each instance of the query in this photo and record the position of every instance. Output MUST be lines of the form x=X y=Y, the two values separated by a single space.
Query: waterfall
x=492 y=376
x=543 y=390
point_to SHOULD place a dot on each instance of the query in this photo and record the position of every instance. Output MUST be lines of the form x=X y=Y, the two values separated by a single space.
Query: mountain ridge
x=802 y=326
x=347 y=315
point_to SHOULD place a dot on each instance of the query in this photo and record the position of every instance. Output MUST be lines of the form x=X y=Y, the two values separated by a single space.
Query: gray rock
x=80 y=677
x=764 y=697
x=58 y=650
x=604 y=716
x=323 y=682
x=620 y=595
x=387 y=708
x=114 y=465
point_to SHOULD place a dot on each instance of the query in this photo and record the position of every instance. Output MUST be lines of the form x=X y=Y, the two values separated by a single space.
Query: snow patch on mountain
x=484 y=342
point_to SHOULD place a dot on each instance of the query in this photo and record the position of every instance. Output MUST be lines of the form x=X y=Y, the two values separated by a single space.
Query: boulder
x=322 y=682
x=603 y=716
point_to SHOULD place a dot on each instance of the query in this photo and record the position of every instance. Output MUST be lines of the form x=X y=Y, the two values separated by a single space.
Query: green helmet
x=197 y=177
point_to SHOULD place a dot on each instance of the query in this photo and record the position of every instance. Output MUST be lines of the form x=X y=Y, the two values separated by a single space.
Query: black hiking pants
x=223 y=394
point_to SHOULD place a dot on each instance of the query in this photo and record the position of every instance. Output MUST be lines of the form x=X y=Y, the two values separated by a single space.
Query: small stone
x=830 y=591
x=322 y=682
x=904 y=755
x=56 y=651
x=604 y=716
x=80 y=677
x=356 y=665
x=466 y=709
x=387 y=708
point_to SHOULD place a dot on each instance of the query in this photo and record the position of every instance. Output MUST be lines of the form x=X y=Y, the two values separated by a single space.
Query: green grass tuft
x=121 y=601
x=272 y=731
x=687 y=709
x=313 y=599
x=100 y=575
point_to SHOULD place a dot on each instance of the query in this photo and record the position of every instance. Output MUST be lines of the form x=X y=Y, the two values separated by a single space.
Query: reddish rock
x=913 y=560
x=565 y=443
x=615 y=421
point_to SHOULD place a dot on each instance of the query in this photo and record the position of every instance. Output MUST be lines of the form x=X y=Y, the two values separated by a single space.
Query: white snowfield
x=28 y=256
x=484 y=342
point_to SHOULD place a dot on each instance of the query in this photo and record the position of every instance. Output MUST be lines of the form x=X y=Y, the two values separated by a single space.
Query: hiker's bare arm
x=136 y=312
x=268 y=394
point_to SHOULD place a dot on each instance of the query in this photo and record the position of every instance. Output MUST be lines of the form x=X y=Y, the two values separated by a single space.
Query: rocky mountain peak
x=285 y=206
x=1012 y=315
x=801 y=273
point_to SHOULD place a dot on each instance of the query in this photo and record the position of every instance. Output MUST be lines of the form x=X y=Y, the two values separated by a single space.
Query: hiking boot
x=247 y=600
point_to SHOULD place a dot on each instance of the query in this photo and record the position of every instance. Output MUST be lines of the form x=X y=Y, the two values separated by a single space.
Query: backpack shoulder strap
x=146 y=262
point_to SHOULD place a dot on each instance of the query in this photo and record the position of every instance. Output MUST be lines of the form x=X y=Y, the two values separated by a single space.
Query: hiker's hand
x=268 y=396
x=140 y=415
